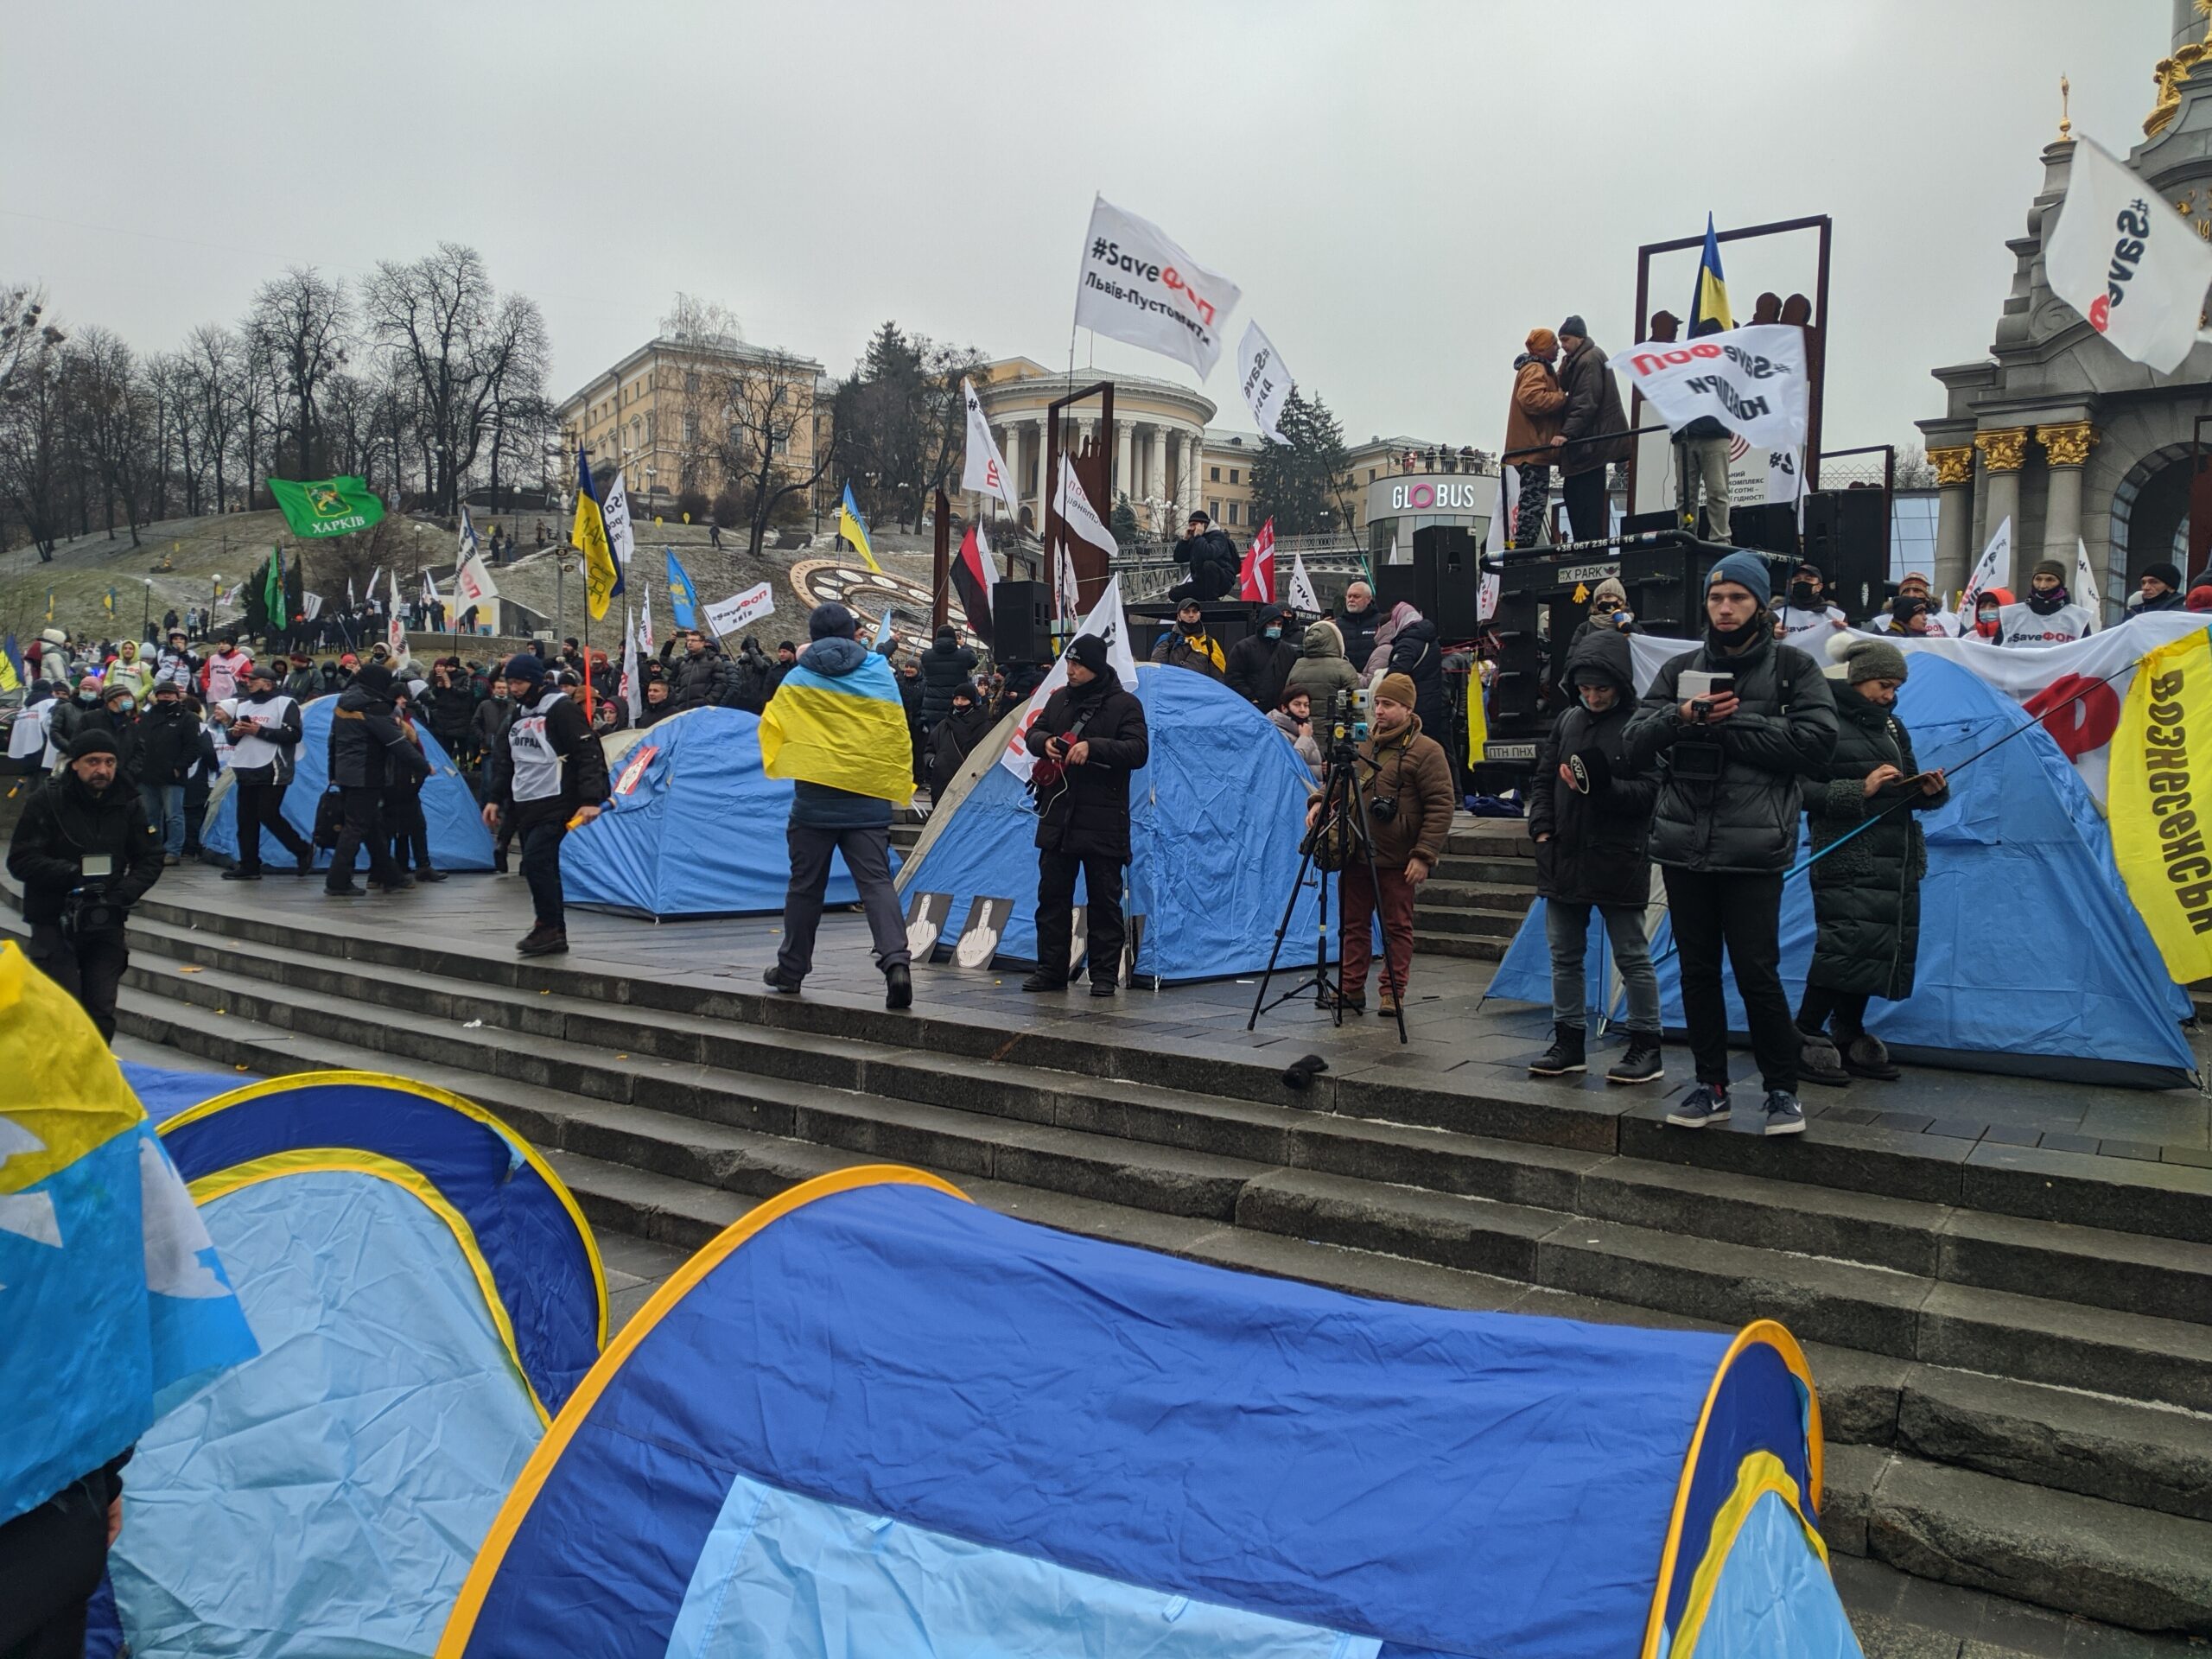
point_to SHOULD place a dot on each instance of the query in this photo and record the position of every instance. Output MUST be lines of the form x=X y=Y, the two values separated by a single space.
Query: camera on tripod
x=1348 y=713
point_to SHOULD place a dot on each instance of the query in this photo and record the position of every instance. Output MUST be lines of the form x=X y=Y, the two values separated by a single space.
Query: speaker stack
x=1022 y=622
x=1847 y=535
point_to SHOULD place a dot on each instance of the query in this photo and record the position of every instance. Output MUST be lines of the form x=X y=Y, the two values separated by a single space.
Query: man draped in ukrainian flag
x=837 y=728
x=113 y=1306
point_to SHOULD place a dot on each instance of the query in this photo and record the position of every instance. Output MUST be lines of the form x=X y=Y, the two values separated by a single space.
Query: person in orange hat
x=1532 y=424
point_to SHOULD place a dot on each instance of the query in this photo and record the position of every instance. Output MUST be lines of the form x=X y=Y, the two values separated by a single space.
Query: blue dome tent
x=458 y=839
x=426 y=1296
x=694 y=828
x=871 y=1417
x=1214 y=820
x=2033 y=960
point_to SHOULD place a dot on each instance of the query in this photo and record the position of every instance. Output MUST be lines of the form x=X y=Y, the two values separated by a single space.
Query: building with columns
x=1158 y=438
x=2055 y=428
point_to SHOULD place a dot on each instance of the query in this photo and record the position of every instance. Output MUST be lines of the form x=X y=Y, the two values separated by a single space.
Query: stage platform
x=2005 y=1285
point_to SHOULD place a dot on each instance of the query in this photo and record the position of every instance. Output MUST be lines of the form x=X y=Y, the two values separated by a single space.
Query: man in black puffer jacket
x=701 y=678
x=1731 y=760
x=1213 y=560
x=367 y=744
x=1083 y=822
x=1589 y=816
x=947 y=666
x=1261 y=662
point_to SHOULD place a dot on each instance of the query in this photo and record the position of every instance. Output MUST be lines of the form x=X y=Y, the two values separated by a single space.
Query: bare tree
x=35 y=441
x=1914 y=470
x=771 y=447
x=113 y=412
x=302 y=321
x=24 y=334
x=214 y=371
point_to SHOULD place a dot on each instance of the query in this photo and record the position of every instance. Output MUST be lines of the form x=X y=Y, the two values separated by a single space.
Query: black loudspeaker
x=1770 y=526
x=1847 y=535
x=1022 y=622
x=1447 y=579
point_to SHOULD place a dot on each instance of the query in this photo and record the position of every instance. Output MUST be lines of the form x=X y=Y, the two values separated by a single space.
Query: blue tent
x=1214 y=820
x=871 y=1417
x=2033 y=960
x=694 y=827
x=426 y=1295
x=458 y=839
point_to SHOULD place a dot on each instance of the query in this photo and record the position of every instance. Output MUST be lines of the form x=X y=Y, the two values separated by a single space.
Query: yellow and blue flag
x=602 y=574
x=1709 y=309
x=853 y=529
x=11 y=666
x=682 y=597
x=841 y=730
x=113 y=1304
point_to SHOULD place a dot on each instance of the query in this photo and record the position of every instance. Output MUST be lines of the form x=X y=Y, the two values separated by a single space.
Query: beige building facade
x=663 y=412
x=1226 y=480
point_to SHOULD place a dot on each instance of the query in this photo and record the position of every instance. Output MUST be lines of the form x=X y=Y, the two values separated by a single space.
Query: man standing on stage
x=1592 y=433
x=1094 y=729
x=550 y=775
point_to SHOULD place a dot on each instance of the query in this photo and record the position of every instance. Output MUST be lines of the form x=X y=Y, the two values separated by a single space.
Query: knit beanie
x=1747 y=570
x=2170 y=575
x=1541 y=340
x=1861 y=656
x=1573 y=324
x=1610 y=587
x=377 y=677
x=830 y=621
x=524 y=665
x=2048 y=568
x=1398 y=688
x=87 y=743
x=1089 y=650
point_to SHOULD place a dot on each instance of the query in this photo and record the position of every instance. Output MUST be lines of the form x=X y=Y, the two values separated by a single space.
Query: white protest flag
x=1751 y=380
x=1263 y=380
x=984 y=470
x=1106 y=621
x=615 y=510
x=1076 y=510
x=633 y=691
x=429 y=588
x=646 y=621
x=1135 y=285
x=2085 y=585
x=1992 y=569
x=1066 y=596
x=473 y=583
x=2126 y=261
x=1302 y=596
x=728 y=615
x=1395 y=558
x=310 y=605
x=395 y=633
x=467 y=532
x=352 y=598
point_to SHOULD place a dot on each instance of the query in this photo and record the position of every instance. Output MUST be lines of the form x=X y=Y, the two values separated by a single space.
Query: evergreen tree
x=1124 y=521
x=1298 y=484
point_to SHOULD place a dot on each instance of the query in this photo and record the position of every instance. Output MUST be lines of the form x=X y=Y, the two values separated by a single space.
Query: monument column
x=1186 y=466
x=1124 y=433
x=1157 y=485
x=2002 y=451
x=2066 y=448
x=1043 y=473
x=1954 y=517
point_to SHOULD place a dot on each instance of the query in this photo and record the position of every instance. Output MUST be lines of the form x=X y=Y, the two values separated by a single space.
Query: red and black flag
x=972 y=577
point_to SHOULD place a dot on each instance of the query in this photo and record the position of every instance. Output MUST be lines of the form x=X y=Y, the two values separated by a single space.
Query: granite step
x=1438 y=941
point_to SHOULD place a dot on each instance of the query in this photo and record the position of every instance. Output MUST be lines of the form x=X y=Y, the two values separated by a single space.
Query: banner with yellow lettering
x=2159 y=799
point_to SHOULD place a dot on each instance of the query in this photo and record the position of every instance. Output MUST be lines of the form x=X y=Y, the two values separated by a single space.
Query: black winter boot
x=1818 y=1062
x=1564 y=1055
x=1641 y=1064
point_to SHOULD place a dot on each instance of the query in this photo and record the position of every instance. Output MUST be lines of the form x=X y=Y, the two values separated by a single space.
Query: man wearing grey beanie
x=1732 y=728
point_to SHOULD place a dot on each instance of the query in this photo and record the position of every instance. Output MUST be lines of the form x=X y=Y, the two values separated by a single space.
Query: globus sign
x=1389 y=497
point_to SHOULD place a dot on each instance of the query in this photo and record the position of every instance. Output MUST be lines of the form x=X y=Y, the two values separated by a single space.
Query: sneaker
x=1818 y=1062
x=1705 y=1102
x=897 y=985
x=170 y=860
x=1564 y=1056
x=1869 y=1057
x=349 y=891
x=1041 y=981
x=543 y=942
x=777 y=980
x=1104 y=988
x=241 y=875
x=1640 y=1065
x=1784 y=1116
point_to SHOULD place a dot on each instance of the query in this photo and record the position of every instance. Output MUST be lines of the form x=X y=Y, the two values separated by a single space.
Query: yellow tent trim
x=1777 y=1337
x=443 y=1097
x=504 y=1525
x=351 y=1160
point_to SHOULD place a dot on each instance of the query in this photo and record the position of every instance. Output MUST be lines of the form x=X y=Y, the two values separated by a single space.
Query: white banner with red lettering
x=1106 y=621
x=1751 y=380
x=1137 y=286
x=2046 y=681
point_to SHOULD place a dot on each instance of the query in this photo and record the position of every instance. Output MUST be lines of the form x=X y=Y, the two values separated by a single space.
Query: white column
x=1186 y=472
x=1043 y=476
x=1123 y=432
x=1157 y=485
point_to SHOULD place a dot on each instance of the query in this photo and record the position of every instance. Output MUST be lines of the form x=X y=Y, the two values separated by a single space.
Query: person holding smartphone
x=85 y=852
x=1732 y=728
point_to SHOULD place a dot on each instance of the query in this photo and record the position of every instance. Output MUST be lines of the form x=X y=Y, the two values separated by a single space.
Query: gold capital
x=2003 y=449
x=1953 y=465
x=2068 y=443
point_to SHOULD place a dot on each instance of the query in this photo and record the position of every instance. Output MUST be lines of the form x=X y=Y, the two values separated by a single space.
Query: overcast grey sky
x=1402 y=190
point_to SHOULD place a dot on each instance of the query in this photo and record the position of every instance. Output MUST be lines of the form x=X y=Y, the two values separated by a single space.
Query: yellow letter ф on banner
x=2159 y=797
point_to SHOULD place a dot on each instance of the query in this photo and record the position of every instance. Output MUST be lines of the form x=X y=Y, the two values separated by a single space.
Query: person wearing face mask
x=1809 y=610
x=1866 y=892
x=2049 y=616
x=1294 y=718
x=1260 y=663
x=168 y=747
x=1187 y=645
x=492 y=716
x=1988 y=607
x=1731 y=755
x=954 y=737
x=66 y=718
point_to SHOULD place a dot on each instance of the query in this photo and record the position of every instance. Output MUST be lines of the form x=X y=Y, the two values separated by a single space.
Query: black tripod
x=1343 y=816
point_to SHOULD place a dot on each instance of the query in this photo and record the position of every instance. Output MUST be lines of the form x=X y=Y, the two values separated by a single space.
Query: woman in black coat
x=954 y=737
x=1866 y=893
x=1413 y=653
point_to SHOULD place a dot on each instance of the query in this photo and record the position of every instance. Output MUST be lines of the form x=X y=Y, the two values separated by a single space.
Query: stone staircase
x=1482 y=888
x=2013 y=1344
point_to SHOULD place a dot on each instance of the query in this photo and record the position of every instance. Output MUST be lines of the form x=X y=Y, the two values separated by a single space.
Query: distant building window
x=1213 y=475
x=1371 y=474
x=1232 y=474
x=653 y=426
x=690 y=429
x=1232 y=512
x=691 y=380
x=1213 y=509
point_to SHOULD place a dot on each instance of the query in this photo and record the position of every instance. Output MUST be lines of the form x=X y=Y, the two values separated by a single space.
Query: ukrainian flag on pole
x=1709 y=310
x=602 y=576
x=853 y=529
x=113 y=1304
x=845 y=731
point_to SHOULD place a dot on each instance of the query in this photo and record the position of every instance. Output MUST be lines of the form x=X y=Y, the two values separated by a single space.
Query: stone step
x=1508 y=874
x=1877 y=1309
x=2167 y=1279
x=1435 y=942
x=1465 y=923
x=1476 y=895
